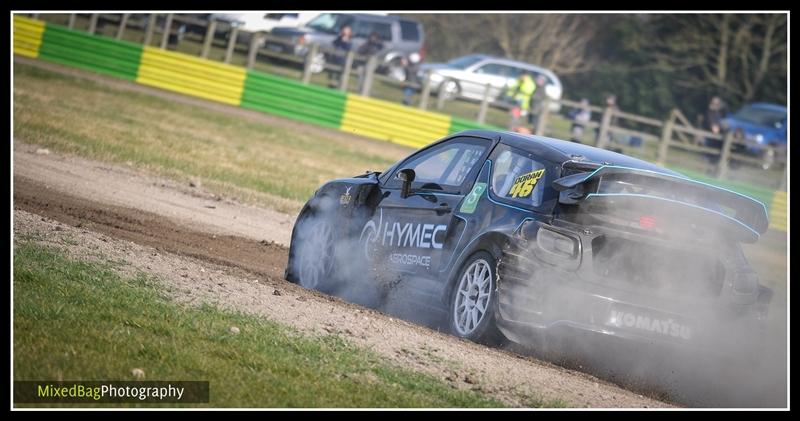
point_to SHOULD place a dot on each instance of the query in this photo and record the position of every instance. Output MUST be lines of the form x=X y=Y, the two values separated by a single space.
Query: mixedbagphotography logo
x=111 y=392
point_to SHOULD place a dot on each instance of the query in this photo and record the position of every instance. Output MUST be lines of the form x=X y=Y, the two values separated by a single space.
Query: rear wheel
x=450 y=89
x=473 y=301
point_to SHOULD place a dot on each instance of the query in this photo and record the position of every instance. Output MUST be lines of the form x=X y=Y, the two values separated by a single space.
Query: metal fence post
x=167 y=28
x=666 y=138
x=93 y=23
x=122 y=23
x=312 y=52
x=484 y=104
x=725 y=155
x=210 y=30
x=151 y=26
x=541 y=119
x=369 y=76
x=426 y=91
x=231 y=43
x=602 y=137
x=255 y=40
x=71 y=23
x=345 y=77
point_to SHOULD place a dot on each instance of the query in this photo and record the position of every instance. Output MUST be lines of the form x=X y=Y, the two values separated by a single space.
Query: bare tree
x=555 y=41
x=729 y=53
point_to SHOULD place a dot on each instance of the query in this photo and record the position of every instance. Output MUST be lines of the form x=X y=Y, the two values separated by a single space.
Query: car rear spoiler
x=749 y=214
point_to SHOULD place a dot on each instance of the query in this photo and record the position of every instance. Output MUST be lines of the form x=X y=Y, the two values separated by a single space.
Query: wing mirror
x=406 y=176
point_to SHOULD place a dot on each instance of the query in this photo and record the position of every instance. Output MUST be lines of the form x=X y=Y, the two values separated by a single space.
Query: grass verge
x=81 y=321
x=224 y=150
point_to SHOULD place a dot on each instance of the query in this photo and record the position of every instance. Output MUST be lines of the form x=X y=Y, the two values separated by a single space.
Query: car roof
x=379 y=18
x=516 y=63
x=560 y=151
x=766 y=105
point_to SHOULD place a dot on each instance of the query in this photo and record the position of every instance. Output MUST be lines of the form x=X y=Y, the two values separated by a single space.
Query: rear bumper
x=555 y=301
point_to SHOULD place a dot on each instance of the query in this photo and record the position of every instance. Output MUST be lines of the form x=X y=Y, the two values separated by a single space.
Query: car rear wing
x=624 y=187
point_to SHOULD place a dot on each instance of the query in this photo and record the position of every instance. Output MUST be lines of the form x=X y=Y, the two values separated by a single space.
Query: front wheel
x=450 y=89
x=474 y=300
x=311 y=251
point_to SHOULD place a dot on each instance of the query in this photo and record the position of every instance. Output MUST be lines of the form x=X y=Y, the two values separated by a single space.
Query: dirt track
x=211 y=249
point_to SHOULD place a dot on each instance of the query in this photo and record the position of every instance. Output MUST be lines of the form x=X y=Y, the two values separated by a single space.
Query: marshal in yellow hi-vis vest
x=522 y=90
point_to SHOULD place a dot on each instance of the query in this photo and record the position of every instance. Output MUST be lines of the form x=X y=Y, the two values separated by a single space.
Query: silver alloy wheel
x=316 y=258
x=472 y=298
x=450 y=89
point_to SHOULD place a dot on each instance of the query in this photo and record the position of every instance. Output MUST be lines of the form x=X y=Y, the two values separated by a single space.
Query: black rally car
x=523 y=234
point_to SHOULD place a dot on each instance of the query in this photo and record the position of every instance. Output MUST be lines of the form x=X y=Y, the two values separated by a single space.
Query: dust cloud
x=724 y=348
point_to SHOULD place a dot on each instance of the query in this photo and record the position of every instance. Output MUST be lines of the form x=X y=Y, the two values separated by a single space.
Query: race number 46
x=524 y=184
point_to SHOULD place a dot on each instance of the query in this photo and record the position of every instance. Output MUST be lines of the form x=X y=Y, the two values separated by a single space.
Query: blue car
x=519 y=235
x=763 y=127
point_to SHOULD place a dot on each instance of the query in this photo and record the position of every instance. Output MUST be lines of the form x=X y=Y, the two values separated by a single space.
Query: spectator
x=580 y=116
x=520 y=93
x=537 y=99
x=372 y=47
x=342 y=44
x=714 y=115
x=713 y=123
x=411 y=65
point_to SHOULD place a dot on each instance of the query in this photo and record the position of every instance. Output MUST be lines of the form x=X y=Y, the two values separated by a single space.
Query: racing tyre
x=450 y=89
x=312 y=258
x=473 y=301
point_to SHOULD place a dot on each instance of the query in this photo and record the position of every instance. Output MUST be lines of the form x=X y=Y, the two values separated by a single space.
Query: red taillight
x=647 y=221
x=422 y=53
x=301 y=40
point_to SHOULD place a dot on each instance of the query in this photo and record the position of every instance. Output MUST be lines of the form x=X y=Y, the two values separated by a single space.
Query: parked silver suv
x=401 y=36
x=468 y=76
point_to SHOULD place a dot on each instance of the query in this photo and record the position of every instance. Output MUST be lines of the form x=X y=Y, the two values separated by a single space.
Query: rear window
x=494 y=69
x=409 y=30
x=363 y=29
x=519 y=178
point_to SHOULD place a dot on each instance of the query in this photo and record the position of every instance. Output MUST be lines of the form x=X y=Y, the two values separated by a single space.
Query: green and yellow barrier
x=27 y=36
x=190 y=75
x=292 y=99
x=396 y=123
x=778 y=210
x=96 y=53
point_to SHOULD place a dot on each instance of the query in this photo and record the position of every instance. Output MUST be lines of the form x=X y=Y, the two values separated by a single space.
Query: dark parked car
x=524 y=234
x=178 y=29
x=401 y=36
x=764 y=128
